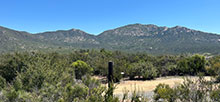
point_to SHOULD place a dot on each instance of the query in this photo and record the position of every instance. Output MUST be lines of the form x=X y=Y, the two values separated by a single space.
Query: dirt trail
x=149 y=85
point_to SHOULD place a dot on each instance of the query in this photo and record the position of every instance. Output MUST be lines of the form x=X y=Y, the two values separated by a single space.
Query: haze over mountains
x=135 y=37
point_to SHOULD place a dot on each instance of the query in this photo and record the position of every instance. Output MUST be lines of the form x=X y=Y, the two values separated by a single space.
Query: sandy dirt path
x=148 y=86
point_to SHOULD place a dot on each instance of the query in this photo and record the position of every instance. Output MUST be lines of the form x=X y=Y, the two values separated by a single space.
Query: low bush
x=143 y=70
x=199 y=90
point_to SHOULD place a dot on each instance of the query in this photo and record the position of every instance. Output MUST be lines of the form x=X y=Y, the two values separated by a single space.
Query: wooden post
x=110 y=77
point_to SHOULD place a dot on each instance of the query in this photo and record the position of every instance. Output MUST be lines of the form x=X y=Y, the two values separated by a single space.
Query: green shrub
x=163 y=91
x=215 y=95
x=145 y=70
x=2 y=83
x=11 y=95
x=192 y=65
x=199 y=90
x=150 y=72
x=11 y=65
x=17 y=84
x=81 y=69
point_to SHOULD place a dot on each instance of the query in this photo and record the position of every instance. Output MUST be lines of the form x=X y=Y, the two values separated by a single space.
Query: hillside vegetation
x=130 y=38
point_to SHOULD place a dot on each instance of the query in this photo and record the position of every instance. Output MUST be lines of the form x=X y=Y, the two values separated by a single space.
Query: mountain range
x=131 y=38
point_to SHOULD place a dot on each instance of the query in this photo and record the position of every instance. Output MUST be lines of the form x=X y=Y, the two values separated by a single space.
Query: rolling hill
x=134 y=37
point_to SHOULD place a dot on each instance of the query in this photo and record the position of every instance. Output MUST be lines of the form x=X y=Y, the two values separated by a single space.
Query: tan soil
x=149 y=85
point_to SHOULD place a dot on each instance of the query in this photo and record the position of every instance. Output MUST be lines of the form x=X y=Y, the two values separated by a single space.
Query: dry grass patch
x=149 y=85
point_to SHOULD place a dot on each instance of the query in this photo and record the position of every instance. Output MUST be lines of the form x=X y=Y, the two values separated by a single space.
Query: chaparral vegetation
x=69 y=77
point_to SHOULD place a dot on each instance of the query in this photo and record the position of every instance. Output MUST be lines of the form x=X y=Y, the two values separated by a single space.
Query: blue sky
x=96 y=16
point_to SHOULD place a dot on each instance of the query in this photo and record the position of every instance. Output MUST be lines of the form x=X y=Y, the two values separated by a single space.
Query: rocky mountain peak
x=134 y=37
